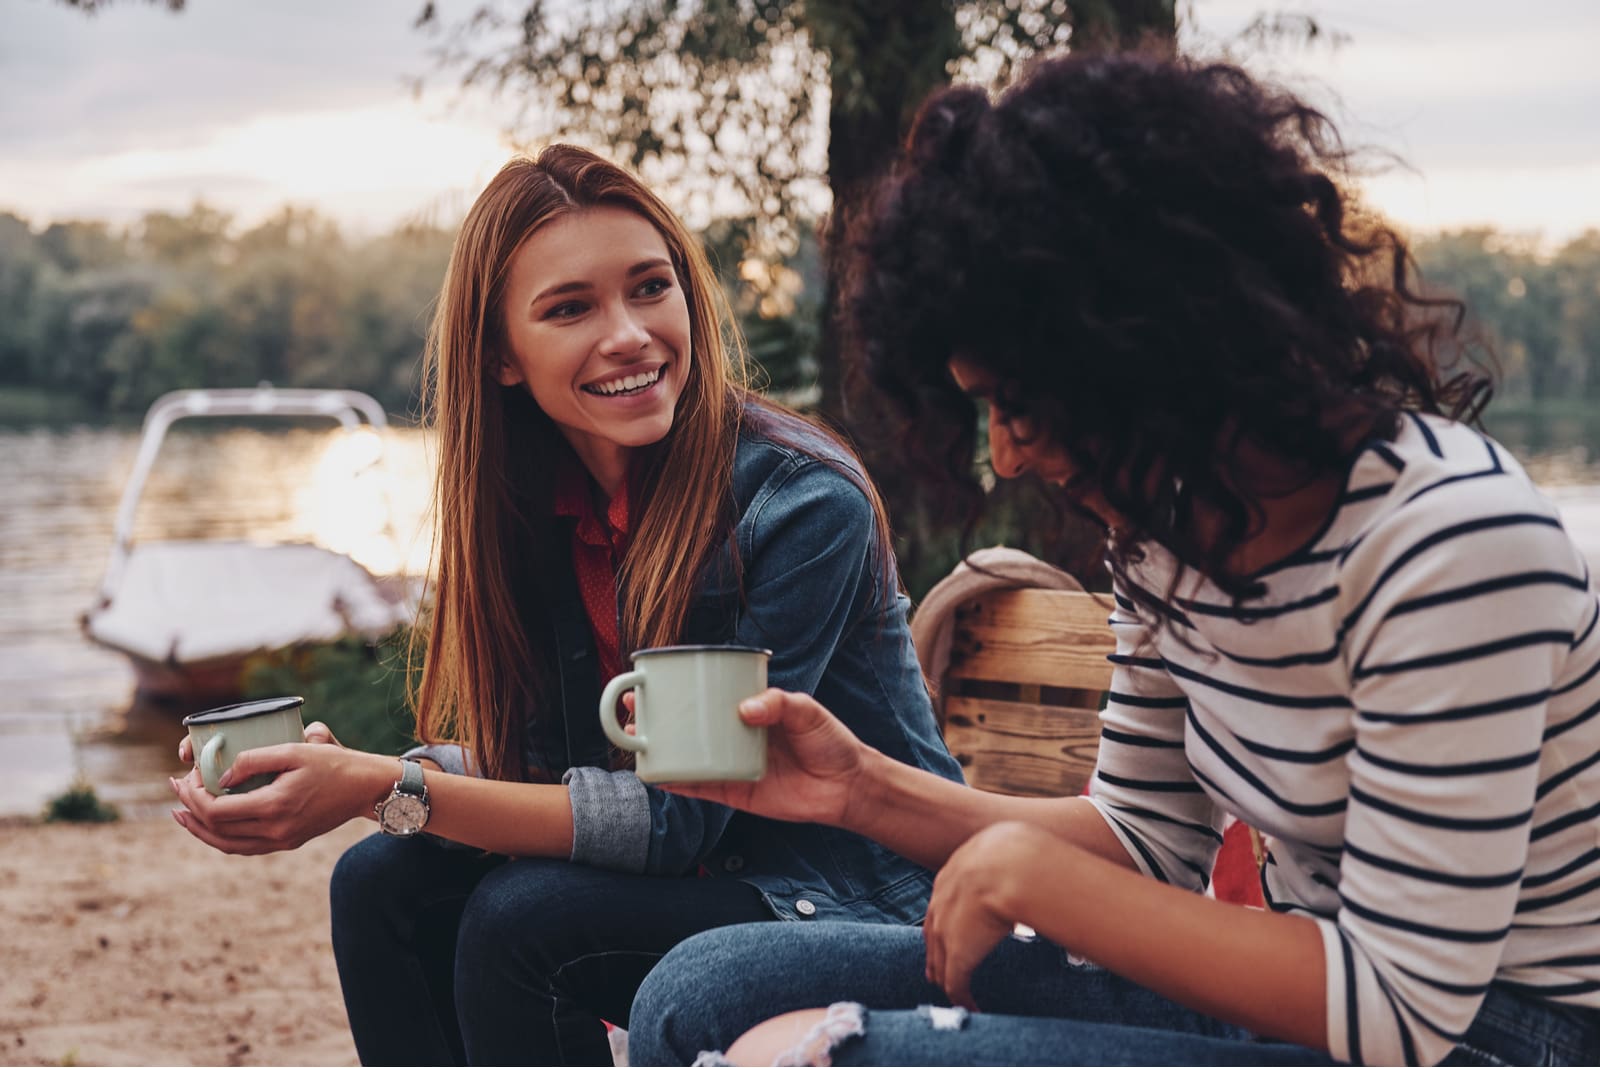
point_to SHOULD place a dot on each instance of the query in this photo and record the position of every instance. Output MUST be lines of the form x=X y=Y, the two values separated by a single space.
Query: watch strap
x=411 y=778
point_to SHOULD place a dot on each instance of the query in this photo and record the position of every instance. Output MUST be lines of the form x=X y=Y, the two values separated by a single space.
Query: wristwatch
x=405 y=811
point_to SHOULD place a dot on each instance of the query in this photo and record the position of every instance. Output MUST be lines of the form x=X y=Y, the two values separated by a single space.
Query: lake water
x=66 y=705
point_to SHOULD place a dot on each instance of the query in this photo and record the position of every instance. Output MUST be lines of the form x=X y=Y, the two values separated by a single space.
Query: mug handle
x=628 y=680
x=211 y=758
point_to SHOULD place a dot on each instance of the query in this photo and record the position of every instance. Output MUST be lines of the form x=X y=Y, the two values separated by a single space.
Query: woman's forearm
x=518 y=819
x=926 y=818
x=1259 y=969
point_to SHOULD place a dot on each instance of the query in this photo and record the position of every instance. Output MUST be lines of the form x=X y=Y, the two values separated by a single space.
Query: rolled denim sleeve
x=807 y=545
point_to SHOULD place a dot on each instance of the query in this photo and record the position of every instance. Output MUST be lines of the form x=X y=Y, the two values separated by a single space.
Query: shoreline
x=134 y=943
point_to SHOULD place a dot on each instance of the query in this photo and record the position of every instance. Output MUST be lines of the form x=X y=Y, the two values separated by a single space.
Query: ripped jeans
x=1042 y=1007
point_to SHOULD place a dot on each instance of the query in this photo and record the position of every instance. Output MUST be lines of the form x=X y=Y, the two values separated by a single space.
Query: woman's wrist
x=378 y=775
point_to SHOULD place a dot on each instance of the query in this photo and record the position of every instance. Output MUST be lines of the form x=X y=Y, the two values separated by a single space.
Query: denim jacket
x=837 y=627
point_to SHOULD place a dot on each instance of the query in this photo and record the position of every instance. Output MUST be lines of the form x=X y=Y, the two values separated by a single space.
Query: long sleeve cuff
x=610 y=819
x=452 y=758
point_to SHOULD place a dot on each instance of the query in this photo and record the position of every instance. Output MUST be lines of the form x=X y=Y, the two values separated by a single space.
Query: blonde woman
x=606 y=483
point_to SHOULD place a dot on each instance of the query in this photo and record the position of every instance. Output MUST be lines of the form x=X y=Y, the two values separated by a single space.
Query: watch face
x=403 y=814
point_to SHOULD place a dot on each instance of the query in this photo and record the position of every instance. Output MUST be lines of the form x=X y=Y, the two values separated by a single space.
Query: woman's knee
x=369 y=872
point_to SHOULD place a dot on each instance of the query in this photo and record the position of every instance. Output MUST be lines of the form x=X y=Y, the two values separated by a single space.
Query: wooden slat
x=1018 y=748
x=1037 y=637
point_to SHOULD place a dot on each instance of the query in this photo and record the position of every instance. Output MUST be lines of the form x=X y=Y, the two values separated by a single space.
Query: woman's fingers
x=186 y=750
x=220 y=842
x=319 y=733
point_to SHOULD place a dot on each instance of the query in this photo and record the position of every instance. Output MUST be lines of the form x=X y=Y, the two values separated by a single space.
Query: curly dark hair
x=1156 y=261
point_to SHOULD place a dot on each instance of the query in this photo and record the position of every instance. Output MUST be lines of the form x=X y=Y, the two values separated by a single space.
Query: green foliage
x=115 y=318
x=80 y=804
x=356 y=687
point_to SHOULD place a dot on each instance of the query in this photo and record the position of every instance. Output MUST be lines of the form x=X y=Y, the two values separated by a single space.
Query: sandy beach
x=132 y=943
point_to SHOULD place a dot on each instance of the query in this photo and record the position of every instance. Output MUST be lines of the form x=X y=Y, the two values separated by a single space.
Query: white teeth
x=625 y=384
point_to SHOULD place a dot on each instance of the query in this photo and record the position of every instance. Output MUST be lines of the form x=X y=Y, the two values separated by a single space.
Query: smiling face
x=598 y=326
x=1016 y=447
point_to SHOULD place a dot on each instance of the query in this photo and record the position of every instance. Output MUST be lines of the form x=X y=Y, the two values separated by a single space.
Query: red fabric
x=597 y=545
x=1235 y=876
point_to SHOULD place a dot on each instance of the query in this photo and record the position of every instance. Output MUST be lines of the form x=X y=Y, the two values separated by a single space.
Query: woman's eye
x=654 y=287
x=564 y=311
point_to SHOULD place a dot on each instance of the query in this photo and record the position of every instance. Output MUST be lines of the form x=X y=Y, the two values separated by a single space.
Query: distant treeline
x=113 y=317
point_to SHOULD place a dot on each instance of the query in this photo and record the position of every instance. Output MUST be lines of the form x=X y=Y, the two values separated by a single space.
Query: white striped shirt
x=1411 y=713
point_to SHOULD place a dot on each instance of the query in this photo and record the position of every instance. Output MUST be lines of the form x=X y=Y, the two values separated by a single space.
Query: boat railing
x=350 y=408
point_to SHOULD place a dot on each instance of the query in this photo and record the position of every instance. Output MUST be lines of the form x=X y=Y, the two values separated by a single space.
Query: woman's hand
x=813 y=763
x=978 y=899
x=320 y=785
x=316 y=733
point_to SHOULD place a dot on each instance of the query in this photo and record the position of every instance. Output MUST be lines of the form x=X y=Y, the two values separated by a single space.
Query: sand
x=133 y=943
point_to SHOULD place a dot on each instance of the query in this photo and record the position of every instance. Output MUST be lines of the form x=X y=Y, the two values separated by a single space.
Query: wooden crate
x=1023 y=689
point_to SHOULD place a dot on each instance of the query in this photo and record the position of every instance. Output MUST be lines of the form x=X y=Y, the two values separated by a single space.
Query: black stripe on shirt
x=1576 y=721
x=1246 y=614
x=1479 y=767
x=1568 y=687
x=1534 y=904
x=1544 y=878
x=1465 y=990
x=1594 y=618
x=1152 y=814
x=1407 y=1045
x=1365 y=493
x=1290 y=660
x=1520 y=580
x=1443 y=934
x=1431 y=875
x=1137 y=701
x=1298 y=756
x=1388 y=456
x=1156 y=786
x=1259 y=696
x=1465 y=653
x=1352 y=1002
x=1427 y=434
x=1149 y=858
x=1488 y=708
x=1238 y=767
x=1143 y=740
x=1429 y=819
x=1444 y=534
x=1561 y=823
x=1566 y=774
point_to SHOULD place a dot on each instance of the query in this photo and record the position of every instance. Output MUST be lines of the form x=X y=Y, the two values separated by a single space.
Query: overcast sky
x=249 y=105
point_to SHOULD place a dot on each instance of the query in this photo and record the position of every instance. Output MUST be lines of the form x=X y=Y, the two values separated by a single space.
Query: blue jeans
x=1040 y=1008
x=450 y=956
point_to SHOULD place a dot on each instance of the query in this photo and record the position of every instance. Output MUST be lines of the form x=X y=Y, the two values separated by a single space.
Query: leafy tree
x=763 y=109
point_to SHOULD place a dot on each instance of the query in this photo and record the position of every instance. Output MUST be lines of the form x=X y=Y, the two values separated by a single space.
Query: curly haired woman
x=1343 y=616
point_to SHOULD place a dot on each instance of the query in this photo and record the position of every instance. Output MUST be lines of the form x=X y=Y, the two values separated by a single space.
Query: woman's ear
x=507 y=373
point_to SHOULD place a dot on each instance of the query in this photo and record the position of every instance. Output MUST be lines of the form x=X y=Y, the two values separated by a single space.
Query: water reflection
x=65 y=705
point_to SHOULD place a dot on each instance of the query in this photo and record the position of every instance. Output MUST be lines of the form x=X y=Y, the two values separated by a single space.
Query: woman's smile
x=598 y=325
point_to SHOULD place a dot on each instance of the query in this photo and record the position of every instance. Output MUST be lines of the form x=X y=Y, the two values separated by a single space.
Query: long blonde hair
x=482 y=678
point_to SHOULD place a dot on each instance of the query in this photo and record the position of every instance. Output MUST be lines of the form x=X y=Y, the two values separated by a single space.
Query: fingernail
x=174 y=783
x=177 y=816
x=227 y=777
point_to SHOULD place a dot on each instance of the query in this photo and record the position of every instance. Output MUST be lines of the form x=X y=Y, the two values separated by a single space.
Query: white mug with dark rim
x=686 y=713
x=219 y=735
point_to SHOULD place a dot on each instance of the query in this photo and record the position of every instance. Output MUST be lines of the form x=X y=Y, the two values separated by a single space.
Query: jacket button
x=734 y=863
x=805 y=907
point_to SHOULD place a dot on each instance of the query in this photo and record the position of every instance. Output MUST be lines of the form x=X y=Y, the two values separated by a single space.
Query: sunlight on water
x=65 y=704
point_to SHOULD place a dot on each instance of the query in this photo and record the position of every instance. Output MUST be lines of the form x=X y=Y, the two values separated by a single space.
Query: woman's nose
x=1004 y=455
x=625 y=334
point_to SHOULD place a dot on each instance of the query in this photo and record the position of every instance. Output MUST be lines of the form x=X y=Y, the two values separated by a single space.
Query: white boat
x=187 y=614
